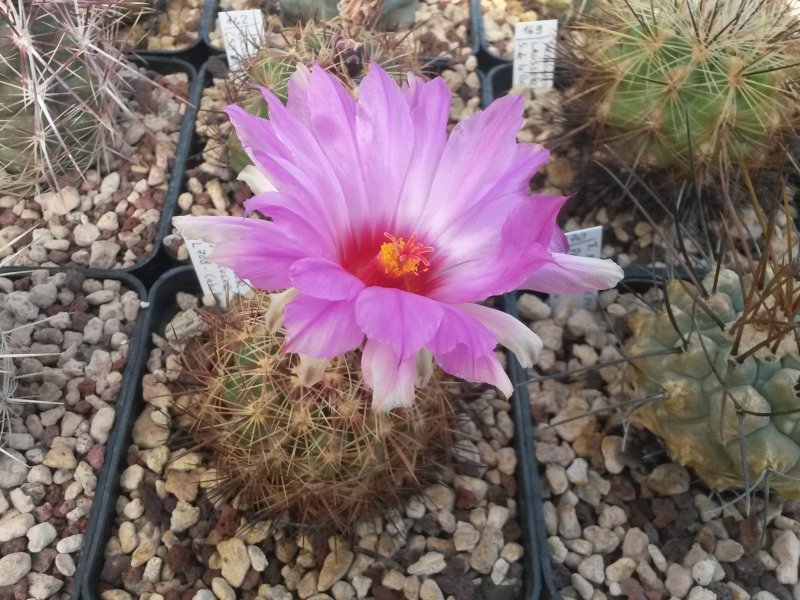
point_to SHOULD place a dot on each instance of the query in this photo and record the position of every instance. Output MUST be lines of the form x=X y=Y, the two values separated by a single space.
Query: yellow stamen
x=400 y=257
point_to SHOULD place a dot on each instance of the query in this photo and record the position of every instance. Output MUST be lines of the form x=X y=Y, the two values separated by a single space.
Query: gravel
x=47 y=492
x=173 y=28
x=110 y=220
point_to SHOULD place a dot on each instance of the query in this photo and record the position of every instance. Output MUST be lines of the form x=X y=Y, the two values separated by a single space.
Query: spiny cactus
x=726 y=377
x=60 y=90
x=385 y=14
x=8 y=384
x=317 y=454
x=327 y=44
x=692 y=86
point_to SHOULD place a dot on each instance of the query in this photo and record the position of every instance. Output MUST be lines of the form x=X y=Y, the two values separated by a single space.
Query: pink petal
x=520 y=249
x=510 y=332
x=385 y=133
x=477 y=151
x=320 y=278
x=298 y=95
x=390 y=377
x=256 y=250
x=567 y=274
x=403 y=320
x=465 y=348
x=430 y=110
x=321 y=328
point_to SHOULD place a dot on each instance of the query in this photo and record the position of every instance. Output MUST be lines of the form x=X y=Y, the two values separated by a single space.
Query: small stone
x=679 y=580
x=184 y=515
x=131 y=477
x=487 y=551
x=786 y=550
x=85 y=234
x=728 y=551
x=620 y=570
x=603 y=540
x=258 y=559
x=59 y=203
x=128 y=540
x=13 y=469
x=533 y=308
x=14 y=524
x=669 y=479
x=70 y=544
x=102 y=422
x=465 y=537
x=429 y=590
x=611 y=447
x=428 y=564
x=14 y=567
x=499 y=571
x=40 y=536
x=42 y=587
x=334 y=567
x=592 y=569
x=103 y=254
x=60 y=457
x=222 y=589
x=635 y=544
x=235 y=561
x=65 y=565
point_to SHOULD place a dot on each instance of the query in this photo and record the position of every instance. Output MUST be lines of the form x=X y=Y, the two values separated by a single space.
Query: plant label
x=583 y=242
x=220 y=282
x=535 y=53
x=242 y=31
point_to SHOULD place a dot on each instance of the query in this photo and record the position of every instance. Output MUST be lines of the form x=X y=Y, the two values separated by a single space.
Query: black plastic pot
x=131 y=373
x=539 y=582
x=162 y=308
x=195 y=53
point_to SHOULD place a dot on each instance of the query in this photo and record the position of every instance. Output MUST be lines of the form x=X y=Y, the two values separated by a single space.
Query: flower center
x=400 y=257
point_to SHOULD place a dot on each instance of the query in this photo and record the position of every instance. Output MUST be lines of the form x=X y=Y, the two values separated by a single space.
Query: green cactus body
x=697 y=419
x=680 y=85
x=60 y=92
x=318 y=454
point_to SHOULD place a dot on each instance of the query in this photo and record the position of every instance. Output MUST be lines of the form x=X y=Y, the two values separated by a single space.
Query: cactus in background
x=328 y=45
x=384 y=14
x=689 y=86
x=60 y=90
x=726 y=373
x=317 y=454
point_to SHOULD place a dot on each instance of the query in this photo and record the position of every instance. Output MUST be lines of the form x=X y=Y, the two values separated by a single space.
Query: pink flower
x=389 y=231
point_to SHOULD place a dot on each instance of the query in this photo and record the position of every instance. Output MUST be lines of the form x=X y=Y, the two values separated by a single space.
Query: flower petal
x=320 y=278
x=321 y=328
x=255 y=180
x=465 y=348
x=510 y=332
x=256 y=250
x=390 y=377
x=277 y=303
x=385 y=130
x=403 y=320
x=311 y=370
x=567 y=274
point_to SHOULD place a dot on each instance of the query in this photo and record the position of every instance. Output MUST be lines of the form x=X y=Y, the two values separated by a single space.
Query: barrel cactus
x=317 y=454
x=329 y=45
x=61 y=90
x=689 y=86
x=727 y=380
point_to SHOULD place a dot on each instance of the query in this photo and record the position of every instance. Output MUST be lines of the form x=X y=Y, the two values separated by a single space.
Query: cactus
x=8 y=384
x=319 y=454
x=729 y=378
x=328 y=45
x=385 y=14
x=694 y=87
x=60 y=90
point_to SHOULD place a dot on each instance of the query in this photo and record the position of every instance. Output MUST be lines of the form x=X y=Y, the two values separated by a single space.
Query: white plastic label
x=221 y=282
x=583 y=242
x=535 y=53
x=243 y=32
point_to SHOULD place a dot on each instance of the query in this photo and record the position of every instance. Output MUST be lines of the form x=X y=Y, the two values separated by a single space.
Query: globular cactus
x=690 y=86
x=731 y=384
x=384 y=14
x=318 y=454
x=61 y=90
x=328 y=44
